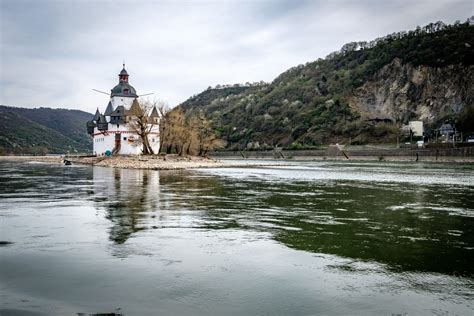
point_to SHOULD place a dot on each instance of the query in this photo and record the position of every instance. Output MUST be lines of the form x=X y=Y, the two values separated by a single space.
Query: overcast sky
x=53 y=53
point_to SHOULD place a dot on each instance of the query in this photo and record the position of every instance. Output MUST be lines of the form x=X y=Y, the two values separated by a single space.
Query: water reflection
x=128 y=197
x=237 y=241
x=408 y=227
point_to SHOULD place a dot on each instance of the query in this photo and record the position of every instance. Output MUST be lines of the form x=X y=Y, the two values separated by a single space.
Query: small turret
x=90 y=127
x=108 y=111
x=102 y=124
x=123 y=89
x=96 y=115
x=154 y=116
x=123 y=75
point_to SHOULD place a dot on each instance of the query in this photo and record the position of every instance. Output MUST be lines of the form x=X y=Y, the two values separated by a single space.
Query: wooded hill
x=43 y=131
x=362 y=93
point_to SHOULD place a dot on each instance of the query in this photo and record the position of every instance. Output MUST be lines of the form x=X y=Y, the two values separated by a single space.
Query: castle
x=112 y=133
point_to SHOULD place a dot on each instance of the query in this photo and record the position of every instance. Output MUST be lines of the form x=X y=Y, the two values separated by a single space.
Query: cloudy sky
x=53 y=53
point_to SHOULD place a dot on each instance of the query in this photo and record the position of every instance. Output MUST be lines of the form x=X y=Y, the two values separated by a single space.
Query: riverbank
x=381 y=158
x=161 y=162
x=168 y=162
x=356 y=153
x=174 y=162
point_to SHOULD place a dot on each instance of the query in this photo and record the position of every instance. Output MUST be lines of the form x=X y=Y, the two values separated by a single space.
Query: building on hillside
x=446 y=133
x=111 y=131
x=416 y=127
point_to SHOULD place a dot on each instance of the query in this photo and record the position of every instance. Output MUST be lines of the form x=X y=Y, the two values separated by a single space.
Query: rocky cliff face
x=402 y=92
x=420 y=75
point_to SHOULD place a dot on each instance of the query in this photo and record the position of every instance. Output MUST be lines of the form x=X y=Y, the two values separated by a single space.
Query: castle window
x=125 y=138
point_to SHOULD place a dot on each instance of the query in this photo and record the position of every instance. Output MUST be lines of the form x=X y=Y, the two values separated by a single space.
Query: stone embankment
x=260 y=158
x=441 y=154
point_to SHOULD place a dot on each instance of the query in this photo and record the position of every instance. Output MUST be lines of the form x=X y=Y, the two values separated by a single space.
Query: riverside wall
x=334 y=152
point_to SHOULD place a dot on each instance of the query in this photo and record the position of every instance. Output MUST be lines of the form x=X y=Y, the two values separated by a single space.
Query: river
x=337 y=238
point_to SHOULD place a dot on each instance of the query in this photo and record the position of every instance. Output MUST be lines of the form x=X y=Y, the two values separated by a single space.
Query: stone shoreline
x=174 y=162
x=168 y=162
x=421 y=159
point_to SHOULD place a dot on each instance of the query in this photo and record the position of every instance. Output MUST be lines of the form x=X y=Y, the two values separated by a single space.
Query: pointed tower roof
x=154 y=113
x=123 y=72
x=96 y=115
x=154 y=116
x=109 y=109
x=135 y=107
x=101 y=119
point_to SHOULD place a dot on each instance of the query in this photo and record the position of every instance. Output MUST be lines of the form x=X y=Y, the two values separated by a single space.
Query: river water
x=301 y=238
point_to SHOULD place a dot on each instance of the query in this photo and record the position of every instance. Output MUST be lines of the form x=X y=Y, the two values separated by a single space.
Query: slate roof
x=154 y=113
x=109 y=109
x=119 y=111
x=135 y=106
x=123 y=89
x=102 y=124
x=96 y=115
x=118 y=116
x=123 y=72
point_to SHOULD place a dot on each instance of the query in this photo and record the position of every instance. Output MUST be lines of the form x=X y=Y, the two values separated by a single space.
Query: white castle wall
x=130 y=143
x=125 y=101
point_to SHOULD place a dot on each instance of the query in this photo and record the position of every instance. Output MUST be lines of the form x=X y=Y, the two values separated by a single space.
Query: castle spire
x=123 y=75
x=96 y=115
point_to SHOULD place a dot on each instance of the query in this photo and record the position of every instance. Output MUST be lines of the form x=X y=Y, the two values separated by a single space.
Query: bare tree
x=171 y=128
x=163 y=110
x=203 y=134
x=188 y=133
x=142 y=119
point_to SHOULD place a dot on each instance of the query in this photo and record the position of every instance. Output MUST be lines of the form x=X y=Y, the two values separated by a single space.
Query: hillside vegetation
x=361 y=94
x=43 y=131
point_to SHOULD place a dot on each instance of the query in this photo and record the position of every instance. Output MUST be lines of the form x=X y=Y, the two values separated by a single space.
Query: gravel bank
x=174 y=162
x=168 y=162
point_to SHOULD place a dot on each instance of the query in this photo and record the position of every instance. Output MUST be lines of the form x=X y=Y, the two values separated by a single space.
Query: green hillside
x=425 y=74
x=43 y=131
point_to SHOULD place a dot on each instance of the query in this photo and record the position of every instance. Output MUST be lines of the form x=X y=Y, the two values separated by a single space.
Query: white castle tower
x=111 y=132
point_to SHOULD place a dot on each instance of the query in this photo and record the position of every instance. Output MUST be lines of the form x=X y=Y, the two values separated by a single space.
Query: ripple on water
x=373 y=235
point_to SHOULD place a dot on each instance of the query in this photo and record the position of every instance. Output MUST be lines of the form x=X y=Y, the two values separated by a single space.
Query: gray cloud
x=54 y=52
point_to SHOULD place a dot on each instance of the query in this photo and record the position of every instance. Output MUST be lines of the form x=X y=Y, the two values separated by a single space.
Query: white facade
x=130 y=143
x=416 y=127
x=111 y=133
x=121 y=100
